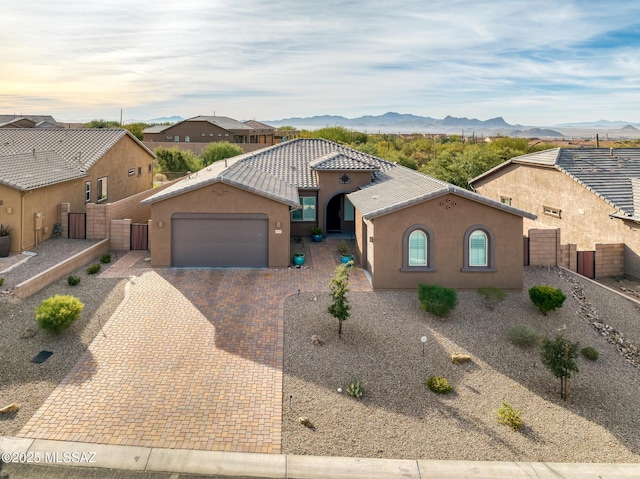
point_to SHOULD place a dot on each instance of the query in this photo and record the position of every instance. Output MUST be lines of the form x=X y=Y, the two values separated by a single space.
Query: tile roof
x=223 y=122
x=338 y=160
x=607 y=172
x=258 y=125
x=34 y=118
x=71 y=151
x=279 y=171
x=401 y=187
x=28 y=171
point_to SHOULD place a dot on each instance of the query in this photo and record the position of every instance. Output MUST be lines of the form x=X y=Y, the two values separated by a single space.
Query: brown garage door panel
x=220 y=241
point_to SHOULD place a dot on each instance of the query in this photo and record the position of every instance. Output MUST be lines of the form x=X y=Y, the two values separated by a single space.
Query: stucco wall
x=208 y=200
x=448 y=226
x=584 y=219
x=10 y=214
x=125 y=155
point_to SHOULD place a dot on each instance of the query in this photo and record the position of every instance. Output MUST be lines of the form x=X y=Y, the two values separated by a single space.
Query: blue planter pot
x=298 y=259
x=316 y=238
x=345 y=258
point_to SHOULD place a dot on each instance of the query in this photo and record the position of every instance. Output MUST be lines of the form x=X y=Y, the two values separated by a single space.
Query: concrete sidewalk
x=130 y=461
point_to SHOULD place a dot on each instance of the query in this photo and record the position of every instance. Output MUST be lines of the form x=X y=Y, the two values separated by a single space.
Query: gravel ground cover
x=398 y=417
x=21 y=381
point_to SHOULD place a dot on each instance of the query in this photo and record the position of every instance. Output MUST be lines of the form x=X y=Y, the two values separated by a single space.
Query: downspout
x=22 y=194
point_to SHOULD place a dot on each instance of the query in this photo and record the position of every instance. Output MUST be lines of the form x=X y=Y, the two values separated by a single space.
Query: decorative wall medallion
x=345 y=179
x=219 y=190
x=448 y=203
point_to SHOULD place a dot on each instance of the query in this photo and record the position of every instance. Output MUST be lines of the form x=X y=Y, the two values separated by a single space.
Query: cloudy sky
x=537 y=62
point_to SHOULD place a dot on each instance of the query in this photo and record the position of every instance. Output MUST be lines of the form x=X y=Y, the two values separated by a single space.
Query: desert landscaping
x=398 y=417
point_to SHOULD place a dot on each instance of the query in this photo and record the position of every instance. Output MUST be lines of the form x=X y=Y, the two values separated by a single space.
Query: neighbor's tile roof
x=400 y=187
x=606 y=172
x=28 y=171
x=258 y=125
x=71 y=151
x=279 y=171
x=223 y=122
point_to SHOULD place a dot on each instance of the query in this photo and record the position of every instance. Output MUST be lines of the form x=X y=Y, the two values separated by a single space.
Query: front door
x=334 y=214
x=340 y=215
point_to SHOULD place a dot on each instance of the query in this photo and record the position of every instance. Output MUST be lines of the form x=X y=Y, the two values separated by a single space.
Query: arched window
x=418 y=244
x=479 y=244
x=478 y=249
x=417 y=249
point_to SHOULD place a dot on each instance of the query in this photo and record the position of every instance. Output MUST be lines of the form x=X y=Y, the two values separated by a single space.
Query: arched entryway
x=340 y=215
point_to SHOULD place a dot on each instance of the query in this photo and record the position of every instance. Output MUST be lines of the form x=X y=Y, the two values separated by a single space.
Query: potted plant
x=316 y=234
x=298 y=256
x=343 y=249
x=5 y=241
x=298 y=259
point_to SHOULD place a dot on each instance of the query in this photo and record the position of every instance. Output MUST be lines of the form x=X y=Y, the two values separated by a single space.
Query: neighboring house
x=207 y=129
x=591 y=194
x=30 y=121
x=409 y=228
x=40 y=169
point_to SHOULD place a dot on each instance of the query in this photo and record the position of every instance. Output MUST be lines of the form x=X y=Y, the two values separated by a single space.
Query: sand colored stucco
x=584 y=218
x=18 y=208
x=448 y=217
x=220 y=198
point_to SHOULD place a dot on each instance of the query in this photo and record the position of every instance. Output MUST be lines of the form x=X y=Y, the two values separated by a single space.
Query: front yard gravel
x=398 y=417
x=21 y=381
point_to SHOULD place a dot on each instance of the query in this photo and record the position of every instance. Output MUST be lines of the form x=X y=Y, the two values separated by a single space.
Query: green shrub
x=509 y=416
x=546 y=298
x=356 y=389
x=492 y=296
x=94 y=268
x=1 y=282
x=437 y=300
x=73 y=280
x=439 y=385
x=590 y=353
x=523 y=335
x=105 y=258
x=57 y=313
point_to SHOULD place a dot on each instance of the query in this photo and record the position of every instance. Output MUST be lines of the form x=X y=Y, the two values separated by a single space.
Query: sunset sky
x=532 y=62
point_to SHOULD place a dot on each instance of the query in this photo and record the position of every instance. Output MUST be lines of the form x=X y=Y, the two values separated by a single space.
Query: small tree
x=546 y=298
x=339 y=286
x=437 y=300
x=559 y=356
x=219 y=151
x=58 y=313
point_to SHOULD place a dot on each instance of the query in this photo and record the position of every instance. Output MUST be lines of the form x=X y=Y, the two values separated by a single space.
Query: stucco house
x=207 y=129
x=40 y=169
x=409 y=228
x=591 y=194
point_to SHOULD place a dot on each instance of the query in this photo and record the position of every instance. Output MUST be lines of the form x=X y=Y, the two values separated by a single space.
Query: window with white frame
x=308 y=210
x=479 y=246
x=102 y=188
x=418 y=244
x=87 y=192
x=417 y=249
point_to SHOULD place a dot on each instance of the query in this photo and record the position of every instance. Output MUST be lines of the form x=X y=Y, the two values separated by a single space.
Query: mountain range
x=406 y=123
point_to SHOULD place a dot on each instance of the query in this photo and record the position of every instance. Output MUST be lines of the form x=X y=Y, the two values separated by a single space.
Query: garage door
x=220 y=240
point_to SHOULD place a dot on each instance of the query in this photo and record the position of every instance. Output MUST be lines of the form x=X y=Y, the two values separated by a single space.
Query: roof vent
x=611 y=151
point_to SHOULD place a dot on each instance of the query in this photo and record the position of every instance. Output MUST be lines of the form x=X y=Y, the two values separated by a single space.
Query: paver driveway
x=192 y=359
